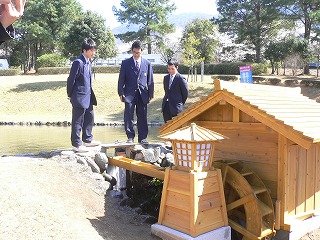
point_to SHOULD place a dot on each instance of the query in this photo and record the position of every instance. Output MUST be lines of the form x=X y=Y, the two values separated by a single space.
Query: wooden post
x=193 y=202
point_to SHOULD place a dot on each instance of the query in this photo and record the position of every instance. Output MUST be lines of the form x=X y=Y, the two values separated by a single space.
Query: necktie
x=137 y=67
x=170 y=81
x=88 y=64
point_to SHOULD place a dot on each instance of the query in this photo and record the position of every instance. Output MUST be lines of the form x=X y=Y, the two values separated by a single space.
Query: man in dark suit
x=135 y=89
x=82 y=98
x=176 y=92
x=9 y=13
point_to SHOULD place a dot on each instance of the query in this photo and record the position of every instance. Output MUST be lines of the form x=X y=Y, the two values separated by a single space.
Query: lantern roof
x=193 y=133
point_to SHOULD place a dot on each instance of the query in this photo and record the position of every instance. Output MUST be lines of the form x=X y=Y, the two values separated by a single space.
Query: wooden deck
x=138 y=166
x=130 y=164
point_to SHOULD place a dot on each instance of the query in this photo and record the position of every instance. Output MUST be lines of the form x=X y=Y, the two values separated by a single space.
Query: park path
x=43 y=199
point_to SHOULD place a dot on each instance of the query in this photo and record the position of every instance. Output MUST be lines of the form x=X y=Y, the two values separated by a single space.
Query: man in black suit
x=176 y=92
x=9 y=13
x=82 y=98
x=135 y=89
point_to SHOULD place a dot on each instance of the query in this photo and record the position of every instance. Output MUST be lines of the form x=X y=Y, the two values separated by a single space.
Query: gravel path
x=47 y=199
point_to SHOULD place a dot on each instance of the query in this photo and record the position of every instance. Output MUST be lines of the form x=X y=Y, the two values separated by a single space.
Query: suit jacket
x=79 y=86
x=177 y=94
x=6 y=33
x=129 y=82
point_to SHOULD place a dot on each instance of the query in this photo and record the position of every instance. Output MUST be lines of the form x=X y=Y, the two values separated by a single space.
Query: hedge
x=53 y=70
x=209 y=69
x=10 y=72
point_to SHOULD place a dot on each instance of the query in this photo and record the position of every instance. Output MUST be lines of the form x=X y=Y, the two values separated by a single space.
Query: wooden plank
x=178 y=200
x=310 y=178
x=290 y=112
x=138 y=167
x=243 y=230
x=164 y=196
x=222 y=198
x=179 y=181
x=177 y=219
x=292 y=180
x=241 y=201
x=228 y=113
x=317 y=179
x=207 y=185
x=118 y=145
x=273 y=123
x=192 y=112
x=209 y=228
x=256 y=88
x=240 y=126
x=281 y=183
x=208 y=201
x=235 y=115
x=194 y=202
x=277 y=223
x=209 y=217
x=301 y=180
x=208 y=174
x=267 y=104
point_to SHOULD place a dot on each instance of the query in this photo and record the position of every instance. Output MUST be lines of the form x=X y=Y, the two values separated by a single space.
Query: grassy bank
x=43 y=98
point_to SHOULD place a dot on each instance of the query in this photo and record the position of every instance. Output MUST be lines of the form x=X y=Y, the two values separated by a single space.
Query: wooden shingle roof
x=283 y=109
x=193 y=133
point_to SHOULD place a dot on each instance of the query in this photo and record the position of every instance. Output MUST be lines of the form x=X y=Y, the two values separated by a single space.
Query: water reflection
x=33 y=139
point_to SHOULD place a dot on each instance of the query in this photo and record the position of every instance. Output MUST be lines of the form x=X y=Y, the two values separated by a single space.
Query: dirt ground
x=44 y=199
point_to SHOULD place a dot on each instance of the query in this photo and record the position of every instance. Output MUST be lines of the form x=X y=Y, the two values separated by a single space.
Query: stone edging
x=65 y=123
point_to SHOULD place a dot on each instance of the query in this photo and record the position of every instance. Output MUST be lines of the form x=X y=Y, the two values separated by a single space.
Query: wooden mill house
x=275 y=132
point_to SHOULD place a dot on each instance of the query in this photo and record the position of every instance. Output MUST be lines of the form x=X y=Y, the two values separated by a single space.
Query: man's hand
x=9 y=12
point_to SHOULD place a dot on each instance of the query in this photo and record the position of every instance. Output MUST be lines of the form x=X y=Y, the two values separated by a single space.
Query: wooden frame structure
x=192 y=199
x=275 y=131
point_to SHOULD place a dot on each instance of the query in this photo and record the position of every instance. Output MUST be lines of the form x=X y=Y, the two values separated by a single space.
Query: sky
x=104 y=8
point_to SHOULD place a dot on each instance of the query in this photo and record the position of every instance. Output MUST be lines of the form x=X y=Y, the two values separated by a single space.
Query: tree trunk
x=149 y=40
x=272 y=67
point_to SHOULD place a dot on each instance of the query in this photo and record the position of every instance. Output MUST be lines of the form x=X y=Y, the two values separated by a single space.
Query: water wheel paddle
x=249 y=206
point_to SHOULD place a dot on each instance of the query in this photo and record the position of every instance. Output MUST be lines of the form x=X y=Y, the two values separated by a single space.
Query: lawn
x=43 y=98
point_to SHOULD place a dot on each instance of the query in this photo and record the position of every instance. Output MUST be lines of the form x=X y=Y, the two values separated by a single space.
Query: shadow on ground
x=121 y=223
x=39 y=86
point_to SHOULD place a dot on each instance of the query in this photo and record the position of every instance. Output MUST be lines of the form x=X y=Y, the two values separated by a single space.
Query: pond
x=34 y=139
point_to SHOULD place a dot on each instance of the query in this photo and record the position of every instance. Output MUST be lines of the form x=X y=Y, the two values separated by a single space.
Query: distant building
x=4 y=64
x=116 y=61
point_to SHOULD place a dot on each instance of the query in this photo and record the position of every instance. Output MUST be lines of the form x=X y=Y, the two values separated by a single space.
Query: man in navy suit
x=82 y=98
x=9 y=13
x=176 y=92
x=135 y=89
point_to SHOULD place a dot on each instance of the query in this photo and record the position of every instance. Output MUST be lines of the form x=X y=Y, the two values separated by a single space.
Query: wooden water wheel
x=249 y=206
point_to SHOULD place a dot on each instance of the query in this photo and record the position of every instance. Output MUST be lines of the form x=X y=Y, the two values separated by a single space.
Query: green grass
x=44 y=98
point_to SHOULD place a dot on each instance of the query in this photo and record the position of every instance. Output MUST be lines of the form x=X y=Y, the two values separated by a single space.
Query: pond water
x=34 y=139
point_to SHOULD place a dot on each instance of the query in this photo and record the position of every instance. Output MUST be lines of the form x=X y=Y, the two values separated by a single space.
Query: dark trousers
x=167 y=115
x=82 y=120
x=141 y=112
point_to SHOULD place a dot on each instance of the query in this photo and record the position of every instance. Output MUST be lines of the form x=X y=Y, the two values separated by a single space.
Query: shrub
x=227 y=77
x=105 y=69
x=259 y=68
x=53 y=70
x=51 y=60
x=257 y=79
x=10 y=72
x=160 y=69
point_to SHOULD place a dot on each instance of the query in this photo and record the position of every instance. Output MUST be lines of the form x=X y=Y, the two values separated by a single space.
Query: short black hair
x=88 y=44
x=136 y=44
x=175 y=63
